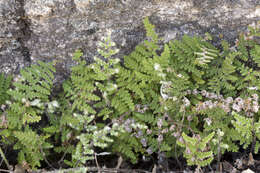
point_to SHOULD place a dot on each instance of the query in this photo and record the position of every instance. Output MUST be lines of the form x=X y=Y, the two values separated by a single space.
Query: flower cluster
x=141 y=108
x=248 y=105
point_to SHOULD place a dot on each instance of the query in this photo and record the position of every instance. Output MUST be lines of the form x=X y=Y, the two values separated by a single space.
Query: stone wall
x=50 y=30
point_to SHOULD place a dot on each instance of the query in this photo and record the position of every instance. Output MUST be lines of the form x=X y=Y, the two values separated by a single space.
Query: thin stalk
x=5 y=160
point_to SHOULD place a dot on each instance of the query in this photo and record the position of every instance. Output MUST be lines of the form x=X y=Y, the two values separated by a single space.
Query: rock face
x=53 y=29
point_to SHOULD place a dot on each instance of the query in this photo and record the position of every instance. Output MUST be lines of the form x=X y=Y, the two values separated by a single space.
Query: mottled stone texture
x=48 y=30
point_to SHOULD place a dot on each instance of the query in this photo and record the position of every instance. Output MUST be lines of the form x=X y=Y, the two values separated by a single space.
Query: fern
x=34 y=86
x=29 y=95
x=87 y=98
x=5 y=82
x=196 y=152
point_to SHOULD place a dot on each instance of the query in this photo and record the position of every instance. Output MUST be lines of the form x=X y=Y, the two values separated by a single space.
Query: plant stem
x=5 y=160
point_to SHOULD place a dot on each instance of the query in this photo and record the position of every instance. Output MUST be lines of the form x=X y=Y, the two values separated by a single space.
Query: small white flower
x=229 y=100
x=35 y=102
x=23 y=100
x=165 y=131
x=159 y=123
x=115 y=86
x=160 y=138
x=236 y=107
x=203 y=92
x=255 y=108
x=180 y=75
x=117 y=60
x=113 y=43
x=220 y=133
x=186 y=102
x=172 y=127
x=55 y=104
x=116 y=70
x=253 y=88
x=188 y=92
x=116 y=51
x=162 y=75
x=148 y=131
x=255 y=96
x=208 y=121
x=8 y=102
x=105 y=94
x=195 y=92
x=157 y=67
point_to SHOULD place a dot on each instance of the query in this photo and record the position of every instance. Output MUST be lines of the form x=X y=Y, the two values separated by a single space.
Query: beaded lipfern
x=29 y=95
x=5 y=82
x=86 y=99
x=196 y=150
x=31 y=90
x=138 y=82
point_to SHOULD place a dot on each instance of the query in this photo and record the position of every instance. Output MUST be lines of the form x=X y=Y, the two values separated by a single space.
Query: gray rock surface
x=51 y=30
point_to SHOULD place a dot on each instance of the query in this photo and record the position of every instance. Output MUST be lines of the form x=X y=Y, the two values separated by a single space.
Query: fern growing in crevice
x=86 y=104
x=196 y=150
x=139 y=81
x=29 y=94
x=5 y=83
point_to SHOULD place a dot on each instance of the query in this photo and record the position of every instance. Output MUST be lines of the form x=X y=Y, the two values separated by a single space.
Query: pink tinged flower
x=220 y=97
x=165 y=131
x=181 y=140
x=236 y=107
x=140 y=133
x=208 y=121
x=212 y=96
x=195 y=92
x=249 y=114
x=159 y=123
x=160 y=138
x=148 y=131
x=188 y=151
x=189 y=118
x=186 y=102
x=210 y=104
x=203 y=92
x=229 y=100
x=172 y=127
x=128 y=129
x=255 y=96
x=149 y=150
x=176 y=134
x=188 y=92
x=204 y=105
x=3 y=107
x=239 y=101
x=226 y=109
x=255 y=108
x=255 y=103
x=197 y=108
x=143 y=142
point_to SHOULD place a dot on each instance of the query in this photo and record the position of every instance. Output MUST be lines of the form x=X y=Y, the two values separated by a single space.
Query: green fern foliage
x=87 y=99
x=5 y=83
x=30 y=93
x=196 y=151
x=166 y=99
